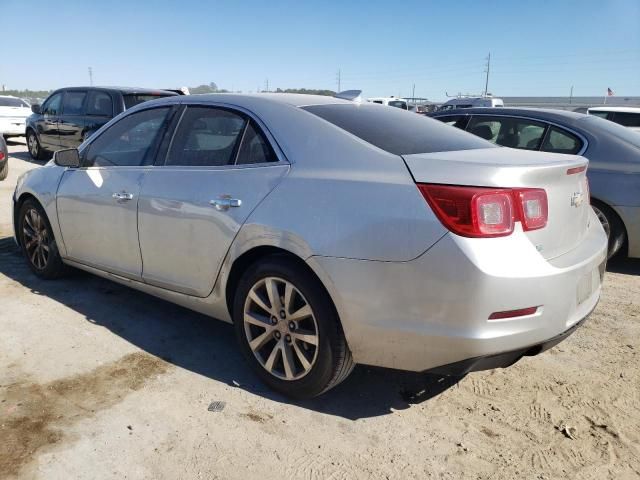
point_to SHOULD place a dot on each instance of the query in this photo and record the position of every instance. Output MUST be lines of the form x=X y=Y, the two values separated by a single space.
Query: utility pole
x=339 y=81
x=571 y=95
x=267 y=85
x=486 y=82
x=413 y=93
x=90 y=76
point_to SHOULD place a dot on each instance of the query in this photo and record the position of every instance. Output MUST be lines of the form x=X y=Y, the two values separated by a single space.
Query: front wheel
x=288 y=329
x=37 y=241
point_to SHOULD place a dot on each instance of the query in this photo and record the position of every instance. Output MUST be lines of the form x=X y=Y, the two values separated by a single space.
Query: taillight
x=486 y=212
x=1 y=156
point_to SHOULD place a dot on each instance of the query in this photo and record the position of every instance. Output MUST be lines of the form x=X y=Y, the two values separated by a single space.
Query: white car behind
x=13 y=113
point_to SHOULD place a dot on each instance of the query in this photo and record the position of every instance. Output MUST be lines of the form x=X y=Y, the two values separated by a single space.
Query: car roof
x=124 y=90
x=245 y=99
x=541 y=113
x=615 y=109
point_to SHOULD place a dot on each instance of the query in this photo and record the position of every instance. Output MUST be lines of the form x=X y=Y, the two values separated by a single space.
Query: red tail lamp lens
x=534 y=208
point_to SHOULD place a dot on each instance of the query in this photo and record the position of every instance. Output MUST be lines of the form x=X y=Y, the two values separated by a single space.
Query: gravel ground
x=100 y=381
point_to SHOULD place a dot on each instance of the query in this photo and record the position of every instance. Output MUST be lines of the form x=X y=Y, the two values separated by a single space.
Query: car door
x=99 y=111
x=97 y=203
x=219 y=167
x=71 y=121
x=47 y=123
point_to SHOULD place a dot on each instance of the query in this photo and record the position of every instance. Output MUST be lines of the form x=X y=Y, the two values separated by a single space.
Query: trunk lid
x=567 y=194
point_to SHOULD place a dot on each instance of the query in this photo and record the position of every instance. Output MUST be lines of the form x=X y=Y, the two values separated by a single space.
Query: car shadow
x=627 y=266
x=202 y=345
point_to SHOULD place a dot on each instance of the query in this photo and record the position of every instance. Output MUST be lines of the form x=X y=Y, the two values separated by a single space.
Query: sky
x=538 y=48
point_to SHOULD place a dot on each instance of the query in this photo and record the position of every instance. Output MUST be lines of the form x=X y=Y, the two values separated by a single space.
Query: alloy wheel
x=281 y=328
x=32 y=143
x=36 y=239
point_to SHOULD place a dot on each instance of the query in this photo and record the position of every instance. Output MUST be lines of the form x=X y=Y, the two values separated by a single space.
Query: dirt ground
x=99 y=381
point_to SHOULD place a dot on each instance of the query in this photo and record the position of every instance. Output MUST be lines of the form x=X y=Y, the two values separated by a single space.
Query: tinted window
x=129 y=142
x=12 y=102
x=600 y=114
x=135 y=99
x=255 y=148
x=206 y=137
x=458 y=121
x=507 y=131
x=52 y=106
x=397 y=104
x=627 y=119
x=100 y=104
x=561 y=141
x=73 y=102
x=396 y=131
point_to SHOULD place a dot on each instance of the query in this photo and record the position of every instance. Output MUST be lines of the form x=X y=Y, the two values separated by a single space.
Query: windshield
x=623 y=133
x=13 y=102
x=396 y=131
x=134 y=99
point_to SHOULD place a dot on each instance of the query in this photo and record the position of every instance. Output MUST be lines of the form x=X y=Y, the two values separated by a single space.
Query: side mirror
x=67 y=158
x=35 y=108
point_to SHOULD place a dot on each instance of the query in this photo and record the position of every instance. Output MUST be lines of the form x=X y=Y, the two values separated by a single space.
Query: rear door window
x=510 y=132
x=561 y=141
x=73 y=103
x=206 y=137
x=100 y=104
x=255 y=148
x=131 y=100
x=394 y=130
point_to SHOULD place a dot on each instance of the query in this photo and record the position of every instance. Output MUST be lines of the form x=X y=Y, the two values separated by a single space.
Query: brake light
x=486 y=212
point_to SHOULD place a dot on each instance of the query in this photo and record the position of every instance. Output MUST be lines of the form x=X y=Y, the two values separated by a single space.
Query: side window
x=561 y=141
x=604 y=115
x=485 y=127
x=100 y=104
x=509 y=132
x=130 y=142
x=458 y=121
x=73 y=102
x=206 y=137
x=627 y=119
x=52 y=106
x=255 y=148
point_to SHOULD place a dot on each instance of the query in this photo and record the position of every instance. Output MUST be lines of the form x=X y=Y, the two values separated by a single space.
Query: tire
x=4 y=171
x=328 y=362
x=33 y=145
x=34 y=226
x=613 y=227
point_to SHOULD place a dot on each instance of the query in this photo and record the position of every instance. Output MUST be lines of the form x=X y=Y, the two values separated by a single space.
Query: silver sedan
x=329 y=232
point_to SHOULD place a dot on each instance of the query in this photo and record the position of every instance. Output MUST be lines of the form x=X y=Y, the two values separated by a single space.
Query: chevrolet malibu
x=329 y=232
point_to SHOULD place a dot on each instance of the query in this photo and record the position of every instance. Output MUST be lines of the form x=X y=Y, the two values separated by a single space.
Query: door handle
x=224 y=202
x=124 y=196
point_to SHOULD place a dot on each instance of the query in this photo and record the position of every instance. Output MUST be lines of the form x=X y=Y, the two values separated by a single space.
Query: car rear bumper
x=12 y=126
x=434 y=310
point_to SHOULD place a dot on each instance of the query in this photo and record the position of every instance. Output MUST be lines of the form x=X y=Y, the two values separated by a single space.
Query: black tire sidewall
x=617 y=233
x=321 y=374
x=54 y=264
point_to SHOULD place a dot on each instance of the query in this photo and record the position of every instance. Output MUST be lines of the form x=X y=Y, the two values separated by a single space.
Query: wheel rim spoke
x=280 y=328
x=36 y=239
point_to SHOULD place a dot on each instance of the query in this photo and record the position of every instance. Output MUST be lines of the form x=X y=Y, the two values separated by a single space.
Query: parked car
x=625 y=116
x=329 y=232
x=4 y=159
x=13 y=113
x=613 y=152
x=390 y=102
x=70 y=115
x=471 y=102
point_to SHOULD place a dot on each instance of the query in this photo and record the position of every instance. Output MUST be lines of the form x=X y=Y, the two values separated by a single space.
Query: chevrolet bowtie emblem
x=576 y=199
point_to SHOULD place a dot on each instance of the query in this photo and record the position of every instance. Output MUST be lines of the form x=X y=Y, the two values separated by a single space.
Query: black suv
x=70 y=115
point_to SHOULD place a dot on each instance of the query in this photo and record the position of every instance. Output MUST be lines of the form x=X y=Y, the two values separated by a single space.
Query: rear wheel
x=35 y=150
x=613 y=227
x=37 y=241
x=288 y=329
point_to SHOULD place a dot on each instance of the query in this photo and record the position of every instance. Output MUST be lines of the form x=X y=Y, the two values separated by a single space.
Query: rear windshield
x=131 y=100
x=397 y=131
x=12 y=102
x=397 y=104
x=623 y=133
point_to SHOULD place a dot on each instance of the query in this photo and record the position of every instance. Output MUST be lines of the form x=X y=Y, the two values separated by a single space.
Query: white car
x=13 y=113
x=390 y=101
x=625 y=116
x=471 y=102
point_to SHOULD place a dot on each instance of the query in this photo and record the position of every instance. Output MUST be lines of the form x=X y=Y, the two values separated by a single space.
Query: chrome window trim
x=583 y=139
